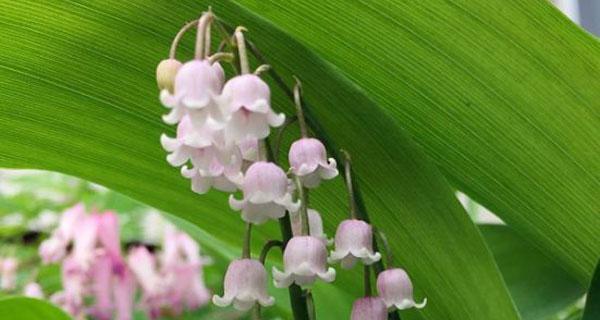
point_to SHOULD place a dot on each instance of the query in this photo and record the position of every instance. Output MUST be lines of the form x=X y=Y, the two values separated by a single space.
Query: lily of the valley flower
x=8 y=277
x=308 y=160
x=246 y=100
x=396 y=290
x=305 y=260
x=218 y=176
x=315 y=225
x=369 y=308
x=196 y=87
x=354 y=241
x=245 y=285
x=266 y=194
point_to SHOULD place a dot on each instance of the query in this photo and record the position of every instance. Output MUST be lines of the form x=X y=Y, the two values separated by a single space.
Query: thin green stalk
x=267 y=247
x=367 y=281
x=303 y=196
x=349 y=184
x=247 y=238
x=299 y=112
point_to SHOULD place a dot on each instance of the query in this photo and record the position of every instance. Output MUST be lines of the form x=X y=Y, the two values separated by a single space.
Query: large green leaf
x=503 y=94
x=21 y=308
x=592 y=305
x=539 y=287
x=78 y=96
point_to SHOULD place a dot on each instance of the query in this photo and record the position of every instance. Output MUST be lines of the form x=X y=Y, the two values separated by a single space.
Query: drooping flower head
x=246 y=100
x=354 y=241
x=196 y=87
x=396 y=290
x=245 y=285
x=308 y=160
x=266 y=195
x=369 y=308
x=304 y=260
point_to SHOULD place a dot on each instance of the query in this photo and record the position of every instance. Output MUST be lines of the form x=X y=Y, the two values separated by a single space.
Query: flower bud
x=369 y=308
x=396 y=290
x=165 y=73
x=266 y=195
x=354 y=241
x=245 y=285
x=308 y=161
x=304 y=259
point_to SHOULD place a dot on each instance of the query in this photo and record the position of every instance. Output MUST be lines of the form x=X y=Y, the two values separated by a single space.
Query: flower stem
x=178 y=36
x=207 y=40
x=247 y=237
x=242 y=55
x=203 y=23
x=349 y=184
x=279 y=137
x=310 y=305
x=303 y=196
x=267 y=247
x=322 y=134
x=256 y=312
x=389 y=257
x=367 y=279
x=299 y=111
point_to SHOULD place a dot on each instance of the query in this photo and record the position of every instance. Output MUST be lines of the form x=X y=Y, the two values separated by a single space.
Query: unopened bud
x=165 y=73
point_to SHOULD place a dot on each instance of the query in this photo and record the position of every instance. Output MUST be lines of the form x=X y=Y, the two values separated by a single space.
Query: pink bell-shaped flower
x=315 y=225
x=304 y=260
x=197 y=85
x=74 y=283
x=354 y=241
x=225 y=178
x=54 y=248
x=266 y=194
x=85 y=240
x=396 y=290
x=246 y=99
x=245 y=285
x=102 y=287
x=124 y=288
x=33 y=290
x=308 y=161
x=8 y=280
x=108 y=236
x=369 y=308
x=198 y=144
x=143 y=265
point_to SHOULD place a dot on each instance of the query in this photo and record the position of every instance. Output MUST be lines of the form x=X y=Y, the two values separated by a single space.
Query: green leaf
x=502 y=94
x=592 y=304
x=539 y=287
x=21 y=308
x=79 y=97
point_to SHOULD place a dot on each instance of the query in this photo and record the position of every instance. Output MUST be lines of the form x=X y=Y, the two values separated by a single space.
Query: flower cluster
x=222 y=127
x=88 y=247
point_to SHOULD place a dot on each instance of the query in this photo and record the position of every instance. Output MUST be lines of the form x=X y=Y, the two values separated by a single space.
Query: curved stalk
x=247 y=239
x=267 y=247
x=178 y=36
x=349 y=185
